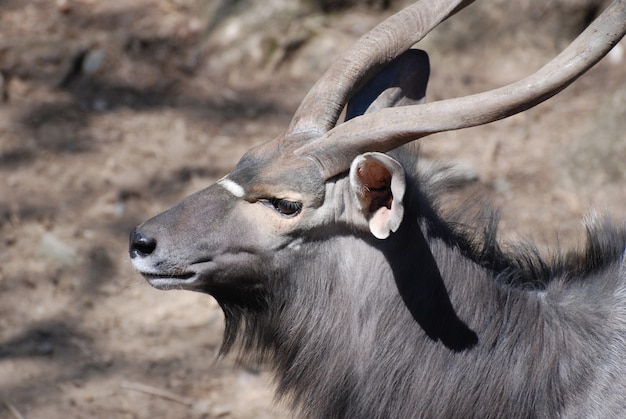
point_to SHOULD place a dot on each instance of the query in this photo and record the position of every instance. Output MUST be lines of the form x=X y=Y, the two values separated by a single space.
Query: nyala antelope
x=332 y=265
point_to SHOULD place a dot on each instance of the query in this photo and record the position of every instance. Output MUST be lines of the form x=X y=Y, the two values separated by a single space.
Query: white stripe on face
x=232 y=187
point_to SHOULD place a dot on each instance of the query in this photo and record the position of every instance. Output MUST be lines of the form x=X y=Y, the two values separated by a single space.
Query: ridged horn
x=389 y=128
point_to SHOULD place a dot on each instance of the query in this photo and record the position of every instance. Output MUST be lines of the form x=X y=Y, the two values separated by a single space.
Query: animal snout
x=140 y=245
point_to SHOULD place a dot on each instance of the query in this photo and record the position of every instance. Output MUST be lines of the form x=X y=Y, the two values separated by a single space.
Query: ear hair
x=378 y=182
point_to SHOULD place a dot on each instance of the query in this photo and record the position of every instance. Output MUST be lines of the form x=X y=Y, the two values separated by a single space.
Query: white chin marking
x=232 y=187
x=170 y=283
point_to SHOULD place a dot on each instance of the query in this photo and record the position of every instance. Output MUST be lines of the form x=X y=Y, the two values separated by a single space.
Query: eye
x=284 y=207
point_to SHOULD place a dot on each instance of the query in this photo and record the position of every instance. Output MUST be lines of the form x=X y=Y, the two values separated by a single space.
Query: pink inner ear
x=376 y=181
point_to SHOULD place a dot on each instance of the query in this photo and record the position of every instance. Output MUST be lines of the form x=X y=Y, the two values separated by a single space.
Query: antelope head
x=324 y=178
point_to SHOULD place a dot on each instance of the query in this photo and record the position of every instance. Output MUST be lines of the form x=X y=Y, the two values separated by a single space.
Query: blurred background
x=113 y=111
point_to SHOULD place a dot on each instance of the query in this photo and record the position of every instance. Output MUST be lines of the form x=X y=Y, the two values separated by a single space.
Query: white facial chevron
x=232 y=187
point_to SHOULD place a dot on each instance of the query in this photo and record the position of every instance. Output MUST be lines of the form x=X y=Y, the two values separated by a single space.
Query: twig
x=158 y=392
x=16 y=413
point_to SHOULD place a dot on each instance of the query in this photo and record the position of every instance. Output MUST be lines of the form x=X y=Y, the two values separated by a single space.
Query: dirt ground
x=111 y=112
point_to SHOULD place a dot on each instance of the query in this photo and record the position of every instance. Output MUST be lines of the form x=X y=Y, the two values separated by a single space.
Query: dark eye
x=286 y=208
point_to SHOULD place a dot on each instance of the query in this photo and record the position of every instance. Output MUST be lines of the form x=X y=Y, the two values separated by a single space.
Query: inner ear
x=378 y=183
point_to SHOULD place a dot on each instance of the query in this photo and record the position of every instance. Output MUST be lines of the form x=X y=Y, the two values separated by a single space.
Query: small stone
x=63 y=6
x=93 y=61
x=51 y=247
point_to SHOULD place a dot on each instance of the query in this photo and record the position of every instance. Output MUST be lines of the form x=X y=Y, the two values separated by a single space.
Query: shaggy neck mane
x=343 y=342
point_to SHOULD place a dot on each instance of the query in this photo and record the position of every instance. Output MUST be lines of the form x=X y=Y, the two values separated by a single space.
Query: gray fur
x=343 y=343
x=434 y=321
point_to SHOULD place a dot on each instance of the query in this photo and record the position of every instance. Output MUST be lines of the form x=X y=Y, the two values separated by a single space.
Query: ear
x=402 y=82
x=378 y=182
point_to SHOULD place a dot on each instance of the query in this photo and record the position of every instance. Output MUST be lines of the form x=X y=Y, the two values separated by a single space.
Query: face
x=223 y=234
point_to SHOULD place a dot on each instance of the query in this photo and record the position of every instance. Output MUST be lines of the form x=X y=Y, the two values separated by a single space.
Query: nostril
x=140 y=245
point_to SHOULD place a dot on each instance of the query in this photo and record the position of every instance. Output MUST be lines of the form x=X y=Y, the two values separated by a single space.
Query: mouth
x=168 y=281
x=189 y=277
